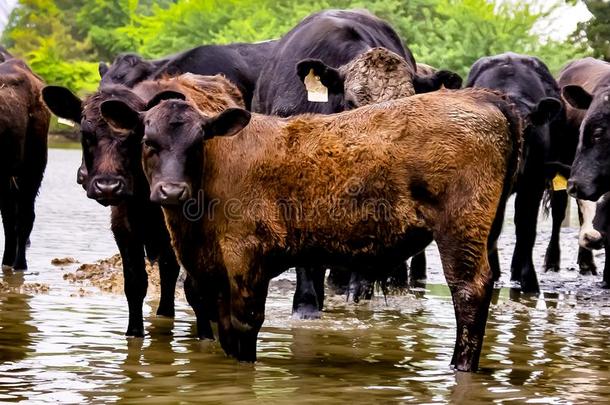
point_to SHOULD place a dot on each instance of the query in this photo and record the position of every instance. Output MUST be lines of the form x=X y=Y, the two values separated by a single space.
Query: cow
x=245 y=196
x=529 y=84
x=326 y=42
x=4 y=54
x=241 y=63
x=115 y=177
x=24 y=124
x=359 y=59
x=586 y=89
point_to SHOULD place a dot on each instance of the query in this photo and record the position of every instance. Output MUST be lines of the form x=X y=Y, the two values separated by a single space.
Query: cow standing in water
x=240 y=62
x=286 y=180
x=360 y=60
x=586 y=88
x=530 y=85
x=24 y=123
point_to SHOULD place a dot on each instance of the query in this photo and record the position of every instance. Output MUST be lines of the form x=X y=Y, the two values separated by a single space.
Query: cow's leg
x=588 y=236
x=469 y=277
x=168 y=273
x=338 y=280
x=318 y=285
x=559 y=203
x=527 y=203
x=417 y=273
x=196 y=301
x=25 y=223
x=9 y=221
x=306 y=303
x=135 y=278
x=361 y=285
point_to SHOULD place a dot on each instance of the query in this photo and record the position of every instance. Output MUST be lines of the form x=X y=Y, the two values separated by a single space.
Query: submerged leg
x=559 y=203
x=306 y=303
x=168 y=273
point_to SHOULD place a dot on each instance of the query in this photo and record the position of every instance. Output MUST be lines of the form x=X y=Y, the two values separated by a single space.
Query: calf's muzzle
x=170 y=193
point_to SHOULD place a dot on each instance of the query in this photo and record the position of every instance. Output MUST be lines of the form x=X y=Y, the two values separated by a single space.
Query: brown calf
x=24 y=122
x=373 y=185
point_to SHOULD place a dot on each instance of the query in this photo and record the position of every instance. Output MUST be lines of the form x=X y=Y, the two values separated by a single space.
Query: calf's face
x=111 y=156
x=172 y=146
x=590 y=175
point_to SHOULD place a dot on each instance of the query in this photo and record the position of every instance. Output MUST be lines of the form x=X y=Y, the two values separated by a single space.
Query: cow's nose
x=572 y=188
x=107 y=187
x=172 y=193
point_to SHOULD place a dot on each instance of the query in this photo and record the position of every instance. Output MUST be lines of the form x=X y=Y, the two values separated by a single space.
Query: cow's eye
x=151 y=146
x=351 y=104
x=597 y=135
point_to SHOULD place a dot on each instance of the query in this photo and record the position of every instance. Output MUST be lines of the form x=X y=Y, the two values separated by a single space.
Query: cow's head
x=375 y=76
x=127 y=69
x=174 y=133
x=538 y=120
x=110 y=168
x=590 y=175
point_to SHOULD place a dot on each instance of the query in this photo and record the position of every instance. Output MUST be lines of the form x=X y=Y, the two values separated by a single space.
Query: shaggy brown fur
x=371 y=185
x=24 y=122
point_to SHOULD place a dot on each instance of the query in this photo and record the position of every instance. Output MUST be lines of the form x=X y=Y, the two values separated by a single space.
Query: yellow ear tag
x=64 y=121
x=559 y=183
x=316 y=91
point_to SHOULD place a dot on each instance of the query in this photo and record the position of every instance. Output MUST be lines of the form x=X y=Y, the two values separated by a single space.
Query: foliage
x=63 y=39
x=596 y=32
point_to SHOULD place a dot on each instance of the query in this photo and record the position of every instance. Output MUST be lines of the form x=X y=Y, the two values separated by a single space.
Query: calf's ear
x=576 y=96
x=164 y=95
x=545 y=111
x=119 y=115
x=330 y=77
x=227 y=123
x=63 y=103
x=433 y=82
x=102 y=69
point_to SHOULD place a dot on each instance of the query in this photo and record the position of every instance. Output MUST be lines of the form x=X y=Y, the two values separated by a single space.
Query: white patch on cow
x=316 y=91
x=587 y=233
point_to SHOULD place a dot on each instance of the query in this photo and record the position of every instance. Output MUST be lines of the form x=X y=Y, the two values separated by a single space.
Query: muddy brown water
x=63 y=342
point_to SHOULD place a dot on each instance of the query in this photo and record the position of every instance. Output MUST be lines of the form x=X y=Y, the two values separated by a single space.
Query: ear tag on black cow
x=316 y=91
x=560 y=183
x=66 y=122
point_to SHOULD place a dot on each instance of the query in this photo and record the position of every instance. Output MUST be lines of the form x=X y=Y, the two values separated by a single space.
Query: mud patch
x=107 y=275
x=23 y=288
x=63 y=261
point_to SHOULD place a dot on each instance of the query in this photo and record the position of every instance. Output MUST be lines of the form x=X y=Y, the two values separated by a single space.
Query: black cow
x=24 y=123
x=360 y=59
x=530 y=85
x=241 y=63
x=115 y=177
x=586 y=89
x=327 y=42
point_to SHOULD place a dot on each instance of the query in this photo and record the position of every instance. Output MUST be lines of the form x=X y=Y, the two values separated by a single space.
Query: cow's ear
x=119 y=115
x=577 y=97
x=164 y=95
x=330 y=77
x=102 y=69
x=433 y=82
x=545 y=111
x=63 y=103
x=227 y=123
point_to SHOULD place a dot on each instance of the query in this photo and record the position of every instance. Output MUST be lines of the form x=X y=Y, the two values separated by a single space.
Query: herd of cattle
x=216 y=160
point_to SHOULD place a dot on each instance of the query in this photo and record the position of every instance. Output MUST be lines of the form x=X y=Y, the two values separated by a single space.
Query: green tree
x=596 y=31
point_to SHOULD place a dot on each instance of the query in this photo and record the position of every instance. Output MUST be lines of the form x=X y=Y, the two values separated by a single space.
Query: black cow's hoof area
x=605 y=285
x=306 y=313
x=135 y=333
x=530 y=288
x=587 y=269
x=166 y=312
x=551 y=267
x=6 y=267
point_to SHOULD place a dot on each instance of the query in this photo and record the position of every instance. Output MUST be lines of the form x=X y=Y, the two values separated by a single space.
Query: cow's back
x=409 y=153
x=334 y=36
